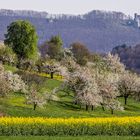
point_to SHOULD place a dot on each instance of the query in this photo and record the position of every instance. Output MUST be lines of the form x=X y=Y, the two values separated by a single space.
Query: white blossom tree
x=128 y=85
x=16 y=83
x=108 y=85
x=4 y=85
x=137 y=92
x=34 y=97
x=113 y=63
x=82 y=83
x=106 y=74
x=11 y=82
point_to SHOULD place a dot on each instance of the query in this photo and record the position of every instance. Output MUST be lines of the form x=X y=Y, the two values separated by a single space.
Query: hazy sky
x=73 y=6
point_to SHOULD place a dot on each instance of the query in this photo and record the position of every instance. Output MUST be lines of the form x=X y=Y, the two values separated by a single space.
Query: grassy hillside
x=14 y=105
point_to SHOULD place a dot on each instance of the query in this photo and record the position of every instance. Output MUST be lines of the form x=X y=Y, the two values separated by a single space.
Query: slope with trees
x=98 y=84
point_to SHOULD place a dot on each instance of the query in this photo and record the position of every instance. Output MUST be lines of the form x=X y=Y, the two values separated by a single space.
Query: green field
x=72 y=138
x=14 y=105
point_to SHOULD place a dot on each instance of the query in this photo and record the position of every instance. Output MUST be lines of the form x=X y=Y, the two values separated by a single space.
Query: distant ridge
x=99 y=30
x=24 y=13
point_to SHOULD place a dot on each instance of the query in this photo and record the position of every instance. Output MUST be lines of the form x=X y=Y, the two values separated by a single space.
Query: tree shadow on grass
x=65 y=95
x=132 y=108
x=67 y=105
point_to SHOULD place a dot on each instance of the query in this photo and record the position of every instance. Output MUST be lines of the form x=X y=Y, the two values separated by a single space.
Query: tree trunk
x=103 y=107
x=86 y=107
x=125 y=99
x=112 y=111
x=35 y=105
x=75 y=103
x=51 y=75
x=92 y=108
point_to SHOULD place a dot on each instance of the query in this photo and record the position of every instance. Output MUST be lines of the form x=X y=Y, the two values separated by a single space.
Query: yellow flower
x=70 y=121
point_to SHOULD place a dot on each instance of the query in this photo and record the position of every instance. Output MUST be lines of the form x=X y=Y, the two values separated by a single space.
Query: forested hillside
x=100 y=31
x=129 y=55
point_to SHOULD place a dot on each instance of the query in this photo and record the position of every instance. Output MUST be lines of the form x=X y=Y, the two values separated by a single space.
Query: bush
x=71 y=126
x=31 y=77
x=7 y=56
x=26 y=64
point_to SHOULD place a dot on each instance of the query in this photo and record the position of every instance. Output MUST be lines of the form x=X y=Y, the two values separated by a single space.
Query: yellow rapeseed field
x=70 y=126
x=118 y=120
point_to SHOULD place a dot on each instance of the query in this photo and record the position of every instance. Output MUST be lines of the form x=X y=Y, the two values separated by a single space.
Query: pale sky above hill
x=73 y=6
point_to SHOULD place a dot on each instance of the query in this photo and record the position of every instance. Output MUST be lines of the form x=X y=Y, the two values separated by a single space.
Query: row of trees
x=92 y=85
x=100 y=83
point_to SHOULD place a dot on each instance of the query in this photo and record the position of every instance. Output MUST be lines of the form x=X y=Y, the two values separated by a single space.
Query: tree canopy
x=53 y=47
x=80 y=52
x=21 y=36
